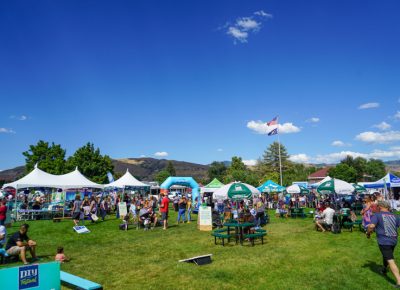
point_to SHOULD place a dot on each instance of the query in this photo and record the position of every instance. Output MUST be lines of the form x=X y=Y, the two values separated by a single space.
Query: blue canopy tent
x=270 y=186
x=389 y=180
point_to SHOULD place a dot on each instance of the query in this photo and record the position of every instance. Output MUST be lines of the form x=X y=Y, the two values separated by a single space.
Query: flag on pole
x=273 y=126
x=274 y=121
x=273 y=132
x=110 y=177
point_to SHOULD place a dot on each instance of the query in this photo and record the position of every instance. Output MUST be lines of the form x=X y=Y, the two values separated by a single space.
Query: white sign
x=122 y=209
x=81 y=229
x=205 y=218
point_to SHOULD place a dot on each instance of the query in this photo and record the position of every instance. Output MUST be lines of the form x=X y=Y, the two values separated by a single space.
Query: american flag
x=274 y=121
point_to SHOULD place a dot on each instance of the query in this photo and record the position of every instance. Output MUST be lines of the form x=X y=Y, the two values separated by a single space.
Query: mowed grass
x=294 y=256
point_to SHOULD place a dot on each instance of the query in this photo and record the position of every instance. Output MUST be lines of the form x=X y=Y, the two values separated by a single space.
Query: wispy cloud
x=19 y=118
x=220 y=150
x=379 y=138
x=339 y=143
x=300 y=158
x=397 y=115
x=250 y=162
x=368 y=106
x=383 y=126
x=331 y=158
x=261 y=127
x=243 y=26
x=313 y=120
x=7 y=131
x=161 y=154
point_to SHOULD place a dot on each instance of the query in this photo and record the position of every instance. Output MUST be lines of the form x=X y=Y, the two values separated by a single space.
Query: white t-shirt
x=3 y=232
x=327 y=215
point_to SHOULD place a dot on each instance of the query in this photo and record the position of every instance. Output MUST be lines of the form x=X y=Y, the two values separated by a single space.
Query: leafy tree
x=217 y=170
x=171 y=169
x=91 y=163
x=359 y=164
x=237 y=164
x=161 y=176
x=375 y=169
x=297 y=172
x=49 y=158
x=343 y=172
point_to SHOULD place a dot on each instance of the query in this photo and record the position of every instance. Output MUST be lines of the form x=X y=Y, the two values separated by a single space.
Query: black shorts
x=76 y=216
x=260 y=215
x=164 y=216
x=387 y=252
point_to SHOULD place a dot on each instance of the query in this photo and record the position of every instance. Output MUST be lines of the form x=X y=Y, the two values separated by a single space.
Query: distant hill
x=142 y=168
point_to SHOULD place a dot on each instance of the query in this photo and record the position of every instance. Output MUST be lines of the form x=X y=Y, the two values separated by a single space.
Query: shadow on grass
x=376 y=268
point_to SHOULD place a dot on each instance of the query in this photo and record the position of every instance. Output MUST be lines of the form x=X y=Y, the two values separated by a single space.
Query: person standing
x=3 y=236
x=3 y=212
x=385 y=225
x=76 y=209
x=182 y=209
x=164 y=210
x=189 y=209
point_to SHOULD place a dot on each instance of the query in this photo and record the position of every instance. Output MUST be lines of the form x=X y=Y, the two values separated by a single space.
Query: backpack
x=336 y=228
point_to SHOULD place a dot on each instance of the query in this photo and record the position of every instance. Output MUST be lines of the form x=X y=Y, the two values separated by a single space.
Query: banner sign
x=33 y=277
x=122 y=209
x=205 y=218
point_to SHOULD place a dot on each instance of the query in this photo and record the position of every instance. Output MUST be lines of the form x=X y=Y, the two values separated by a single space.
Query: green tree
x=50 y=158
x=170 y=169
x=216 y=170
x=359 y=164
x=91 y=163
x=161 y=176
x=344 y=172
x=237 y=164
x=375 y=169
x=271 y=157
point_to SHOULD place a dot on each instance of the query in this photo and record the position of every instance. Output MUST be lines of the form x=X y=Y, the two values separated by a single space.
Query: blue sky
x=197 y=80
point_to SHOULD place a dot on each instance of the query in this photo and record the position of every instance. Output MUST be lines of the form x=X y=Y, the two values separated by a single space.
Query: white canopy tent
x=75 y=179
x=315 y=185
x=127 y=180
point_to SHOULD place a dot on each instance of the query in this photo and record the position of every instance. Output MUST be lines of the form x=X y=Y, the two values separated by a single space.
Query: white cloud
x=300 y=158
x=241 y=28
x=5 y=130
x=248 y=24
x=383 y=126
x=220 y=150
x=161 y=154
x=250 y=162
x=368 y=106
x=336 y=157
x=379 y=138
x=262 y=127
x=237 y=34
x=397 y=115
x=313 y=120
x=262 y=13
x=20 y=118
x=339 y=143
x=143 y=156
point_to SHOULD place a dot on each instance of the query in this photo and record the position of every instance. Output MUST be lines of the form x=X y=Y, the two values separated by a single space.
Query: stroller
x=144 y=218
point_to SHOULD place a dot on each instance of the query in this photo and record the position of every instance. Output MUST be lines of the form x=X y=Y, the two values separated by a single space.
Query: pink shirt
x=60 y=257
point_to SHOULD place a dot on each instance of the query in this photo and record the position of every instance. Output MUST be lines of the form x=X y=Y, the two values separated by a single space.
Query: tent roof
x=390 y=179
x=215 y=183
x=39 y=178
x=315 y=185
x=127 y=180
x=270 y=184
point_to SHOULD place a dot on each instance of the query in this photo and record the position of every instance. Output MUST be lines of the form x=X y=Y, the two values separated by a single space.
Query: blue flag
x=273 y=132
x=110 y=177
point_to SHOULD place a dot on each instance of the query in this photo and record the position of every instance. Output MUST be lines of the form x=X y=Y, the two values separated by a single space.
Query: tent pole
x=15 y=201
x=280 y=161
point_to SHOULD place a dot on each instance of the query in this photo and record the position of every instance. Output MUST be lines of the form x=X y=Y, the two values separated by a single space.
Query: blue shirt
x=386 y=225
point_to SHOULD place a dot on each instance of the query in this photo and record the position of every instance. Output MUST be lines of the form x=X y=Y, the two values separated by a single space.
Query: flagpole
x=280 y=161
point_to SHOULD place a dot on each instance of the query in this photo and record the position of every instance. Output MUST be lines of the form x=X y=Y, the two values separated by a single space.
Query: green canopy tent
x=297 y=189
x=335 y=186
x=212 y=186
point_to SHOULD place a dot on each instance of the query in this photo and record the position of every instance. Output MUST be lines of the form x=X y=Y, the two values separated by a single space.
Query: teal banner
x=34 y=277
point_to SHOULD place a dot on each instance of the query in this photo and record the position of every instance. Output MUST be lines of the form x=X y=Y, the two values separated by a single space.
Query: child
x=60 y=255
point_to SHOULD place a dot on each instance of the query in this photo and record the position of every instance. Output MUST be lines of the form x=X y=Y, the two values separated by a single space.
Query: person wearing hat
x=385 y=225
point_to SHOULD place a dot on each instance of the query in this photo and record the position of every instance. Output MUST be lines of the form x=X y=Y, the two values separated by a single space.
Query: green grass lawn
x=294 y=256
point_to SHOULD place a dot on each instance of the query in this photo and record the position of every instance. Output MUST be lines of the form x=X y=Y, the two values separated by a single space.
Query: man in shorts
x=385 y=225
x=19 y=243
x=164 y=210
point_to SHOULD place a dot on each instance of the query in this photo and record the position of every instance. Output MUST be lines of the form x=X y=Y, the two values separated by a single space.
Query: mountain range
x=146 y=168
